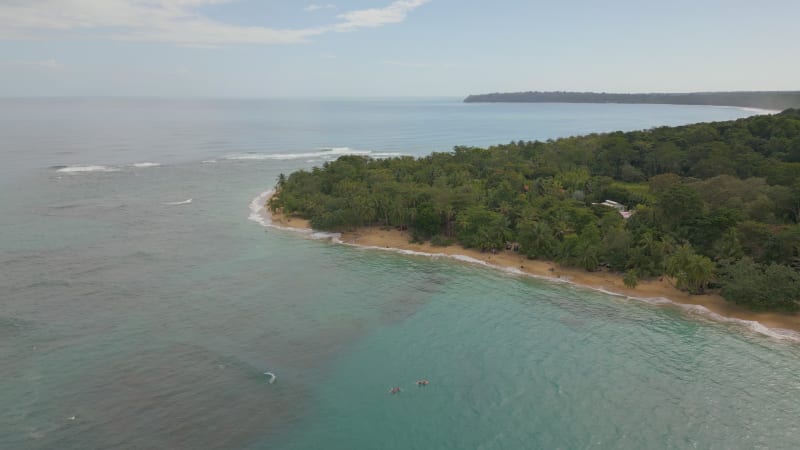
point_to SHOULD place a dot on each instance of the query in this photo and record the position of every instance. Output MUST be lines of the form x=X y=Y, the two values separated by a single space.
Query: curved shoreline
x=711 y=306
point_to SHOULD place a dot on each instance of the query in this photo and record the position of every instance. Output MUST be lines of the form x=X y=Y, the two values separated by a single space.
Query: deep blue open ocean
x=140 y=306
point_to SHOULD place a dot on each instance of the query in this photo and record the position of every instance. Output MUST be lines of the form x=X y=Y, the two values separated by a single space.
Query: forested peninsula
x=774 y=100
x=710 y=206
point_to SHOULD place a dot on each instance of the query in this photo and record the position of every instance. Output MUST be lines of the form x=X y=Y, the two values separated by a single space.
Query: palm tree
x=699 y=272
x=589 y=257
x=648 y=243
x=365 y=209
x=448 y=211
x=560 y=223
x=281 y=181
x=537 y=239
x=691 y=271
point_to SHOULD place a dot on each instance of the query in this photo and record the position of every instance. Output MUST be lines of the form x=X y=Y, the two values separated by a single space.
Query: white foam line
x=323 y=153
x=752 y=325
x=758 y=111
x=102 y=168
x=325 y=236
x=259 y=214
x=184 y=202
x=258 y=211
x=700 y=310
x=87 y=168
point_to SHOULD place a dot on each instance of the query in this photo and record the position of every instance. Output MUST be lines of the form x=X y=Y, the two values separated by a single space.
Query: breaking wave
x=87 y=168
x=259 y=215
x=184 y=202
x=83 y=168
x=322 y=153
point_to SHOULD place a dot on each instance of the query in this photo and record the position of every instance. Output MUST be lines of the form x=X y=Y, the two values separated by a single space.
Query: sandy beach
x=655 y=289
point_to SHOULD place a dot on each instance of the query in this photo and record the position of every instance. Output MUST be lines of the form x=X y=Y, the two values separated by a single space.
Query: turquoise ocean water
x=131 y=317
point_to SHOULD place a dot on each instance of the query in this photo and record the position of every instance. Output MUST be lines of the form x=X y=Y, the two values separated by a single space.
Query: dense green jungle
x=714 y=206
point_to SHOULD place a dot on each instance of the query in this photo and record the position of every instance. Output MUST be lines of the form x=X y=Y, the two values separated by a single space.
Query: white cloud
x=314 y=7
x=168 y=21
x=376 y=17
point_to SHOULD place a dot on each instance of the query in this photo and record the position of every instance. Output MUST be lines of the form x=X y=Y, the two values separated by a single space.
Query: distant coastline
x=769 y=100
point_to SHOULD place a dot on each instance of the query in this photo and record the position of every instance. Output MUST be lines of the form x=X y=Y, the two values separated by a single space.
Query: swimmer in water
x=394 y=390
x=422 y=382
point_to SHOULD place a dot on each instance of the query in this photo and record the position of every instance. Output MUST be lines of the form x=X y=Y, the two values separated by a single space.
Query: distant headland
x=775 y=100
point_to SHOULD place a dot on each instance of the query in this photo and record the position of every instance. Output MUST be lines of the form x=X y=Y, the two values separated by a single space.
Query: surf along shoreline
x=653 y=291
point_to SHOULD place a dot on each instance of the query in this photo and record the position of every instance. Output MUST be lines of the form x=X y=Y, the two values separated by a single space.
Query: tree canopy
x=713 y=203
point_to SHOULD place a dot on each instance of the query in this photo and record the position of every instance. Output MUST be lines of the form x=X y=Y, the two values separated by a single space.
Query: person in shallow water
x=422 y=382
x=394 y=390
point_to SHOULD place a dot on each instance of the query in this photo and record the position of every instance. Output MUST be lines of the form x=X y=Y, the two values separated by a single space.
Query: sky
x=400 y=48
